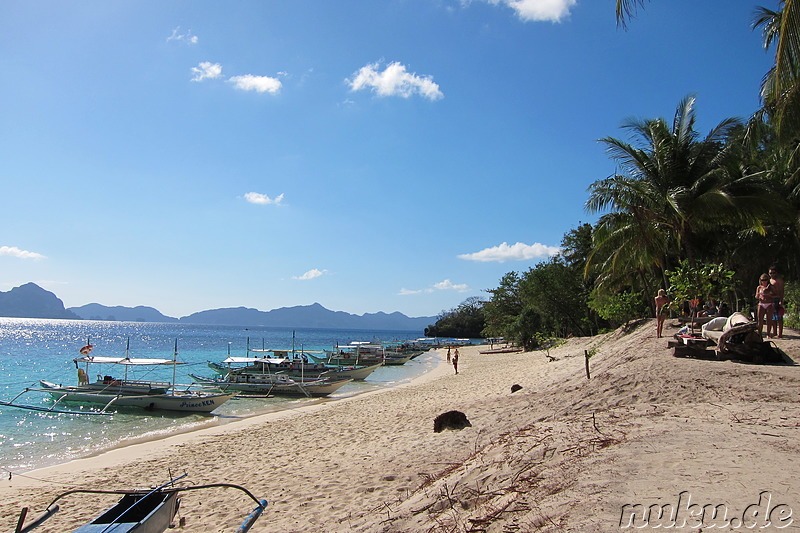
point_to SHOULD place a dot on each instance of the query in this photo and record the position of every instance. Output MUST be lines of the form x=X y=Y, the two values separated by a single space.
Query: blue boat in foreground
x=138 y=510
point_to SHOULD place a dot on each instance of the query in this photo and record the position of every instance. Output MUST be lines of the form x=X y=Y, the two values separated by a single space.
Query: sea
x=43 y=349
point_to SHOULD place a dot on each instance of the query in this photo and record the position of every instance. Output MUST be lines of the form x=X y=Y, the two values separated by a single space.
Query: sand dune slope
x=564 y=453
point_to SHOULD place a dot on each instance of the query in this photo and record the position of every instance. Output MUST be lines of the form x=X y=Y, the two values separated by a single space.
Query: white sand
x=562 y=454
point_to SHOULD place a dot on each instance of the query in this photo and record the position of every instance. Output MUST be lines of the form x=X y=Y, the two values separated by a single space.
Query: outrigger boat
x=362 y=353
x=295 y=368
x=112 y=392
x=292 y=363
x=248 y=384
x=138 y=510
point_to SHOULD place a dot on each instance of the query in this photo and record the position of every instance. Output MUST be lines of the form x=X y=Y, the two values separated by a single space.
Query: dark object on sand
x=515 y=388
x=450 y=420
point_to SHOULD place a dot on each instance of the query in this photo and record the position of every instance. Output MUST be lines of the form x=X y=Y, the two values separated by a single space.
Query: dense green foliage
x=549 y=299
x=465 y=321
x=618 y=308
x=699 y=215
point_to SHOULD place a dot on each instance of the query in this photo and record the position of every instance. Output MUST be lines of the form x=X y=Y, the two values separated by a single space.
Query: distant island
x=32 y=301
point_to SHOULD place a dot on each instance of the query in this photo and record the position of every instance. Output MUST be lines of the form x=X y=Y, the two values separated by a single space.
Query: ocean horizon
x=44 y=349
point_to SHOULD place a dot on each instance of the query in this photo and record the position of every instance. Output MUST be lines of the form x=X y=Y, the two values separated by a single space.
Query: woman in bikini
x=765 y=297
x=661 y=311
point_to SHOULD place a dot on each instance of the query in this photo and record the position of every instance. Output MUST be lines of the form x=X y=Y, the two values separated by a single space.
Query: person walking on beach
x=455 y=360
x=448 y=354
x=776 y=281
x=661 y=311
x=765 y=308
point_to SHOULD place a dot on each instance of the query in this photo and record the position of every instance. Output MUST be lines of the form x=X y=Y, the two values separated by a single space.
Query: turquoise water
x=34 y=349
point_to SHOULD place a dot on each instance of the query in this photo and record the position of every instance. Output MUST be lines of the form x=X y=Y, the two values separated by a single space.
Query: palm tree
x=625 y=10
x=780 y=90
x=673 y=190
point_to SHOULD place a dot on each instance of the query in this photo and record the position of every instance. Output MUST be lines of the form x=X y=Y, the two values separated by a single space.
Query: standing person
x=776 y=280
x=455 y=360
x=661 y=311
x=766 y=304
x=448 y=354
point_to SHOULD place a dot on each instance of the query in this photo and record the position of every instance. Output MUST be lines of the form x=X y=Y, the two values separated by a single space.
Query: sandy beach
x=563 y=453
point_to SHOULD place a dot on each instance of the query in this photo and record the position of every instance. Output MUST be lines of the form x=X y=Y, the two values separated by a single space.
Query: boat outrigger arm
x=53 y=508
x=52 y=408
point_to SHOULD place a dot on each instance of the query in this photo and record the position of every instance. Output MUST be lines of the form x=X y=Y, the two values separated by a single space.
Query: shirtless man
x=776 y=280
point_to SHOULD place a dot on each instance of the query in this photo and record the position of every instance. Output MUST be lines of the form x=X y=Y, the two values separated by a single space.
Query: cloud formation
x=448 y=285
x=539 y=10
x=259 y=84
x=445 y=285
x=13 y=251
x=394 y=81
x=183 y=37
x=206 y=71
x=263 y=199
x=311 y=274
x=515 y=252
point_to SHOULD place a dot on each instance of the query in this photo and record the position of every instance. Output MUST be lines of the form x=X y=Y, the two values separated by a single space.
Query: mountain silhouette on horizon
x=311 y=316
x=32 y=301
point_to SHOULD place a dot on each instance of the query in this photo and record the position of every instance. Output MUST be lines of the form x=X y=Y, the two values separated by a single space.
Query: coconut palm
x=625 y=10
x=672 y=191
x=780 y=90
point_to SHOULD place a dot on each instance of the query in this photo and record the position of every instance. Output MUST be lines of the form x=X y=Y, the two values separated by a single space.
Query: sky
x=368 y=155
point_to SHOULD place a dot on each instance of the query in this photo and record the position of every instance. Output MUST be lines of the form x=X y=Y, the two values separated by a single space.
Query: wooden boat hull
x=276 y=387
x=137 y=512
x=350 y=361
x=356 y=373
x=186 y=402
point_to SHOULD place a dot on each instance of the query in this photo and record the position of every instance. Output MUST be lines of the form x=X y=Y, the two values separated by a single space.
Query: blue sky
x=373 y=155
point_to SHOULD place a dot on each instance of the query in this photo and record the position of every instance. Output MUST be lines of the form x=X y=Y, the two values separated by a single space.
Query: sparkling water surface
x=36 y=349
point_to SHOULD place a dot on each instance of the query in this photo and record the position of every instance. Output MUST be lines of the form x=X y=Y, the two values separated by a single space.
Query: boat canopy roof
x=248 y=360
x=284 y=350
x=126 y=360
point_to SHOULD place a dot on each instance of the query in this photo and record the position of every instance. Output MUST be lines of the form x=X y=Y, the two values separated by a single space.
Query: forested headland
x=700 y=214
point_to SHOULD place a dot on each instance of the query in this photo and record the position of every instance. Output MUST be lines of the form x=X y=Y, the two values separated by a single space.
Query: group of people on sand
x=769 y=310
x=769 y=295
x=454 y=358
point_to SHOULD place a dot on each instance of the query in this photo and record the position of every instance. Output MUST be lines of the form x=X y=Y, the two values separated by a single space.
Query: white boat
x=362 y=353
x=272 y=384
x=295 y=368
x=109 y=391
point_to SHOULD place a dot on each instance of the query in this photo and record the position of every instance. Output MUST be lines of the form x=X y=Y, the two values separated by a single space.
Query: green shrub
x=791 y=301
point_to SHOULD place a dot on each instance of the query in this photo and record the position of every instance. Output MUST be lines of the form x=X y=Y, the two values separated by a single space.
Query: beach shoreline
x=118 y=453
x=563 y=453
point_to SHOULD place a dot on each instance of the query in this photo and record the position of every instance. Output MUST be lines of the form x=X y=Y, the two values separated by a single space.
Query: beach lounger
x=737 y=337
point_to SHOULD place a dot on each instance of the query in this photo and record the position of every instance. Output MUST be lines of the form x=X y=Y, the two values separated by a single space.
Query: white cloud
x=445 y=285
x=516 y=252
x=448 y=285
x=539 y=10
x=263 y=199
x=311 y=274
x=408 y=292
x=183 y=37
x=259 y=84
x=13 y=251
x=394 y=81
x=207 y=71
